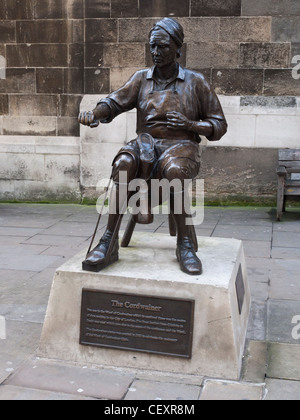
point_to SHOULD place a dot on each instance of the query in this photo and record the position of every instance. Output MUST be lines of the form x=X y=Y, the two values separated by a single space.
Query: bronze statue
x=175 y=106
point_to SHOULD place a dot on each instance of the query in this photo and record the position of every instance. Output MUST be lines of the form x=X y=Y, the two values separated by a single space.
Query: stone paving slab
x=281 y=390
x=57 y=240
x=16 y=393
x=257 y=249
x=284 y=280
x=21 y=341
x=255 y=362
x=257 y=325
x=285 y=253
x=280 y=317
x=284 y=361
x=244 y=232
x=214 y=390
x=152 y=390
x=19 y=261
x=70 y=379
x=286 y=239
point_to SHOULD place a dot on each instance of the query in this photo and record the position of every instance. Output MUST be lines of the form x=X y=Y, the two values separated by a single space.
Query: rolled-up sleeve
x=125 y=98
x=212 y=112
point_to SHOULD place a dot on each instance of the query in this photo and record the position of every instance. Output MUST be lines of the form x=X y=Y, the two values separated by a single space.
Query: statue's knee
x=124 y=168
x=174 y=170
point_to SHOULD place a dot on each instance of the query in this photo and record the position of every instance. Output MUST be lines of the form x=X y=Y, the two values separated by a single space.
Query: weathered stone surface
x=200 y=29
x=44 y=31
x=135 y=30
x=265 y=8
x=255 y=362
x=3 y=104
x=284 y=361
x=124 y=55
x=265 y=55
x=245 y=29
x=219 y=164
x=97 y=9
x=18 y=81
x=80 y=380
x=73 y=80
x=34 y=105
x=237 y=81
x=161 y=8
x=231 y=391
x=151 y=390
x=93 y=55
x=50 y=80
x=73 y=9
x=50 y=9
x=207 y=55
x=215 y=8
x=69 y=105
x=286 y=29
x=7 y=31
x=282 y=390
x=37 y=55
x=280 y=82
x=45 y=126
x=96 y=80
x=68 y=126
x=14 y=9
x=124 y=8
x=101 y=30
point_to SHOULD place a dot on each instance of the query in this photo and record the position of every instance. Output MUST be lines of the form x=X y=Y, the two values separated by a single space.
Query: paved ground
x=36 y=239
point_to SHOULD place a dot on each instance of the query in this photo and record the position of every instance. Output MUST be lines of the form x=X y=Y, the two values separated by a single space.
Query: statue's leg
x=189 y=262
x=124 y=169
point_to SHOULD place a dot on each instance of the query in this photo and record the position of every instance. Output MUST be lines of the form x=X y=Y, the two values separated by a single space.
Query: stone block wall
x=58 y=51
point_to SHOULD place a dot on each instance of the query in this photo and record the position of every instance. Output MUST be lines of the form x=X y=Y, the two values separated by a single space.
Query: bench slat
x=288 y=154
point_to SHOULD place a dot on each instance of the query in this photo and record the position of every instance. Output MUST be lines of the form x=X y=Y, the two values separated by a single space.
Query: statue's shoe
x=98 y=259
x=187 y=258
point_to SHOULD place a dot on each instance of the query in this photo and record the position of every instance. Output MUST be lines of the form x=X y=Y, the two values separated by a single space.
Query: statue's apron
x=170 y=144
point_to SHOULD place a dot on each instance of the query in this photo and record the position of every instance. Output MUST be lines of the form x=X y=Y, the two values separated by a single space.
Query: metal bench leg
x=280 y=197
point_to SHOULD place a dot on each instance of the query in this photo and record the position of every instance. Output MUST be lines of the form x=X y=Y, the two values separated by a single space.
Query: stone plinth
x=149 y=267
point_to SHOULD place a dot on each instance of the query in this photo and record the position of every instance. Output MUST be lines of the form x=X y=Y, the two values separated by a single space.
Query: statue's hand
x=88 y=118
x=176 y=120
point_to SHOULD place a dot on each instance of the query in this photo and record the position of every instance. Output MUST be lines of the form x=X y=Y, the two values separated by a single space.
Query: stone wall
x=58 y=51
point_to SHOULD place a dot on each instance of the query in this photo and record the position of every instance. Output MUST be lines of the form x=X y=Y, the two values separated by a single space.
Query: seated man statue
x=175 y=106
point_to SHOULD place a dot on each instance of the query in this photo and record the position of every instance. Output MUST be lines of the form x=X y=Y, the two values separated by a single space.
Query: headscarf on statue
x=173 y=28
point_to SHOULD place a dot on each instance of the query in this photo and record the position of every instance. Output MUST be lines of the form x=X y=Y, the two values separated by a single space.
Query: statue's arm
x=122 y=100
x=102 y=112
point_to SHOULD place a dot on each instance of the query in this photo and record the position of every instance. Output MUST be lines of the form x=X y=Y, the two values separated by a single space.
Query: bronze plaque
x=139 y=323
x=240 y=289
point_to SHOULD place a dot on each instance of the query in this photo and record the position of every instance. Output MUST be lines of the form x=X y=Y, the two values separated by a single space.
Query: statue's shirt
x=189 y=93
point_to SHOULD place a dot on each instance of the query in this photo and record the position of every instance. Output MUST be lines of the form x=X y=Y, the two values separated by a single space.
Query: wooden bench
x=288 y=172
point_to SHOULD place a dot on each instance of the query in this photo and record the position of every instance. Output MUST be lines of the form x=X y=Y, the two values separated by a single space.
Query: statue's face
x=163 y=49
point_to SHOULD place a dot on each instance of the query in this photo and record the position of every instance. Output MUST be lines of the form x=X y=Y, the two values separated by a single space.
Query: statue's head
x=166 y=40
